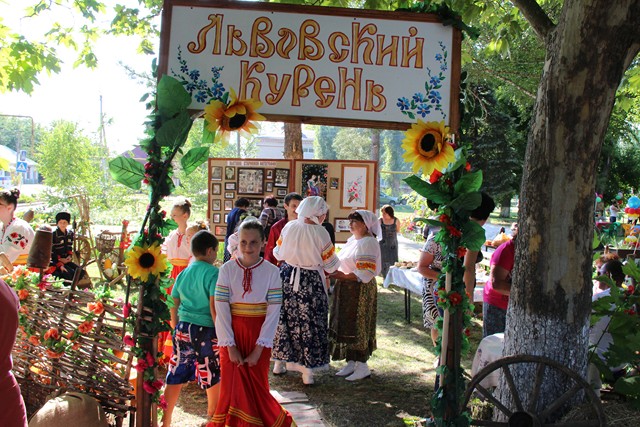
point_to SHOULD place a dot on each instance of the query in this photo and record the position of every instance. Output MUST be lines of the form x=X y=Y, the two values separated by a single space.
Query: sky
x=74 y=94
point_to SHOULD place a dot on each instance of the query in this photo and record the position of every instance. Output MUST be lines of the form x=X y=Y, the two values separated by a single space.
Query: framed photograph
x=281 y=178
x=268 y=187
x=341 y=224
x=255 y=204
x=216 y=173
x=228 y=205
x=354 y=187
x=229 y=185
x=270 y=174
x=250 y=181
x=220 y=230
x=282 y=192
x=216 y=205
x=229 y=195
x=230 y=173
x=314 y=179
x=216 y=188
x=216 y=218
x=226 y=216
x=334 y=183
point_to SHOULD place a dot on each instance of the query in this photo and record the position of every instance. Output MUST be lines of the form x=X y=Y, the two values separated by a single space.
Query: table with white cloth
x=489 y=350
x=411 y=281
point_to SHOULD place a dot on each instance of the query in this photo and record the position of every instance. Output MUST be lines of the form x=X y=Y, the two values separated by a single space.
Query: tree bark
x=375 y=144
x=293 y=141
x=587 y=54
x=505 y=207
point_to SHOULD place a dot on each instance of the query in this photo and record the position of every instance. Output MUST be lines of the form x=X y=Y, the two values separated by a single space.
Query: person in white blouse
x=301 y=341
x=17 y=234
x=352 y=333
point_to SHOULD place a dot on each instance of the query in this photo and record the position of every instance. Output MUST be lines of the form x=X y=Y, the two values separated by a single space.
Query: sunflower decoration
x=426 y=145
x=237 y=116
x=145 y=260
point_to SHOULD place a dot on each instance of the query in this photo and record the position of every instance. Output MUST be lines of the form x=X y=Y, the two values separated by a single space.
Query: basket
x=105 y=242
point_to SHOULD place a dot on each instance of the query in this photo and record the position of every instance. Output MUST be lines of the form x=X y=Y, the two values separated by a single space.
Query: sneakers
x=348 y=369
x=279 y=367
x=361 y=371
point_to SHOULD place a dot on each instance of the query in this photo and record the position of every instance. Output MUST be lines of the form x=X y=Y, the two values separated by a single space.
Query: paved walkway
x=297 y=403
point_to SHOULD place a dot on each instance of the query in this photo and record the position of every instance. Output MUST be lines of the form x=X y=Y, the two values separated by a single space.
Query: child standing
x=248 y=299
x=192 y=318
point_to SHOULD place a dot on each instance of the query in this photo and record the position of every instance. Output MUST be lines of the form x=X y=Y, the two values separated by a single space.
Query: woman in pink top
x=497 y=290
x=13 y=413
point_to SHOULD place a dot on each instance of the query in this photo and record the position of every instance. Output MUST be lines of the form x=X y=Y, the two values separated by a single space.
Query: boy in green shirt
x=195 y=344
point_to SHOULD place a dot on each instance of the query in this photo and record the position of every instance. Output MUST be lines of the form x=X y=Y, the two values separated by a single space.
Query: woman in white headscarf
x=352 y=329
x=306 y=250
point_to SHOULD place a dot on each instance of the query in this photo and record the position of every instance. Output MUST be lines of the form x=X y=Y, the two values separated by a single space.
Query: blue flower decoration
x=184 y=68
x=423 y=109
x=217 y=90
x=194 y=75
x=434 y=97
x=201 y=96
x=190 y=87
x=438 y=57
x=403 y=103
x=418 y=97
x=434 y=81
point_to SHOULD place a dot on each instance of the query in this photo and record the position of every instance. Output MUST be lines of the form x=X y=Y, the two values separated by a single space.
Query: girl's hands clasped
x=235 y=356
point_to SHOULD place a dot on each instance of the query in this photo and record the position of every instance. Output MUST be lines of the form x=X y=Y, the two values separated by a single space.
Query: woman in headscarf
x=352 y=333
x=306 y=250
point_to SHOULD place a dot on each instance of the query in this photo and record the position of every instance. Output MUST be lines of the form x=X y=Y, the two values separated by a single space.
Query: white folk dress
x=16 y=240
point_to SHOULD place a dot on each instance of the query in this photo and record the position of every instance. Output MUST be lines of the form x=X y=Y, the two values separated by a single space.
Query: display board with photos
x=253 y=179
x=346 y=185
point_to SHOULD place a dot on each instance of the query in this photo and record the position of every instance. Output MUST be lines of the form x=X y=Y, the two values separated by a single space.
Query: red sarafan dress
x=248 y=304
x=178 y=254
x=13 y=413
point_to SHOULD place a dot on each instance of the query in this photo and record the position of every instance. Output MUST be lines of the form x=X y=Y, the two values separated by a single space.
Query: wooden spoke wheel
x=83 y=252
x=531 y=416
x=108 y=265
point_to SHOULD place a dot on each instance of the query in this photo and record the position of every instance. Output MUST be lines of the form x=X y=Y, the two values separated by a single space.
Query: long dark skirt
x=352 y=331
x=301 y=336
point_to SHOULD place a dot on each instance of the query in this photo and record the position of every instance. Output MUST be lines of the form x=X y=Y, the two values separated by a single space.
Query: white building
x=270 y=142
x=29 y=177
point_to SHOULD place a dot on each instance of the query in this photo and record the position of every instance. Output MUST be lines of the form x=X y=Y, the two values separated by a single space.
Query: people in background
x=307 y=253
x=62 y=248
x=389 y=242
x=194 y=335
x=352 y=331
x=270 y=213
x=479 y=215
x=233 y=221
x=430 y=266
x=291 y=203
x=17 y=234
x=248 y=300
x=613 y=212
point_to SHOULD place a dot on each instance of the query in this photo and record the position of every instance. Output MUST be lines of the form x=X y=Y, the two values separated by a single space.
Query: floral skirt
x=354 y=310
x=301 y=336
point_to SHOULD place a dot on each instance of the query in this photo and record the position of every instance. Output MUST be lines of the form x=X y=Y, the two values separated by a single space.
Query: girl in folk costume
x=178 y=253
x=306 y=250
x=248 y=298
x=352 y=332
x=17 y=234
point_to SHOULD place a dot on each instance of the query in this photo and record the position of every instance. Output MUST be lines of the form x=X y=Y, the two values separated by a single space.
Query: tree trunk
x=587 y=54
x=375 y=144
x=293 y=141
x=505 y=207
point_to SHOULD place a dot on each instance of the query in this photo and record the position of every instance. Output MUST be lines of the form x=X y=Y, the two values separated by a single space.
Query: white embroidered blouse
x=362 y=257
x=16 y=240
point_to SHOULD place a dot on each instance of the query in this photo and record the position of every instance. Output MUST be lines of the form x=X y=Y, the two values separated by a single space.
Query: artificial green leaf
x=466 y=201
x=174 y=132
x=167 y=226
x=461 y=160
x=208 y=137
x=631 y=269
x=473 y=236
x=172 y=97
x=194 y=158
x=469 y=182
x=628 y=386
x=126 y=171
x=426 y=190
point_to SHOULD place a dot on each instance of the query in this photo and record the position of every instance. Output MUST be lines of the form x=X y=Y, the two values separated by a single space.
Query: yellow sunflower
x=426 y=146
x=145 y=260
x=238 y=116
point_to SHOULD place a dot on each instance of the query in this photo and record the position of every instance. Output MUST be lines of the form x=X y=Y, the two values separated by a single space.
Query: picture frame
x=216 y=173
x=314 y=179
x=216 y=188
x=229 y=195
x=255 y=204
x=226 y=216
x=341 y=225
x=228 y=205
x=250 y=181
x=269 y=173
x=334 y=183
x=220 y=230
x=268 y=187
x=216 y=218
x=281 y=178
x=353 y=193
x=230 y=173
x=216 y=204
x=281 y=192
x=230 y=185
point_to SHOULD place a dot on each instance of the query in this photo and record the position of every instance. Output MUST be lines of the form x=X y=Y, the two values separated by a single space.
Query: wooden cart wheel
x=108 y=265
x=516 y=414
x=83 y=252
